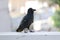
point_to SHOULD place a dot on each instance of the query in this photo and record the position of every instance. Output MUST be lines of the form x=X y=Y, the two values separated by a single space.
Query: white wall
x=5 y=24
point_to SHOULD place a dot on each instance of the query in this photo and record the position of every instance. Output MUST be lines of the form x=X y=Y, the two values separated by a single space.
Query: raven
x=27 y=20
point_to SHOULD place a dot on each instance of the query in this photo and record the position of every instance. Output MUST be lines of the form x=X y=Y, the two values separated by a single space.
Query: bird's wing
x=24 y=20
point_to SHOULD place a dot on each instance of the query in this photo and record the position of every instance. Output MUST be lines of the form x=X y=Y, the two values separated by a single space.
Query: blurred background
x=46 y=16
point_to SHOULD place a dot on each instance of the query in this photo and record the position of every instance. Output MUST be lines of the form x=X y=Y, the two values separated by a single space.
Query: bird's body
x=27 y=20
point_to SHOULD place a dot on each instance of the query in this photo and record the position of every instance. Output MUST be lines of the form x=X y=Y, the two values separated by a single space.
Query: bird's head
x=31 y=10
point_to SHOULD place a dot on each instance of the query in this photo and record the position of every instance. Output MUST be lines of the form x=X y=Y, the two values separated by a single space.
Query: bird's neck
x=30 y=13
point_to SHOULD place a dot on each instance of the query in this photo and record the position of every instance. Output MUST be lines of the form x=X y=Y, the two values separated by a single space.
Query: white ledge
x=34 y=33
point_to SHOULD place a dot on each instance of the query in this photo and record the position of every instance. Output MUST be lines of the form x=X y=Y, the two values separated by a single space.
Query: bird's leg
x=31 y=28
x=25 y=30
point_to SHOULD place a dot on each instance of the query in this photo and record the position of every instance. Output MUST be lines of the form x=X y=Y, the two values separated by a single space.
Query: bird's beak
x=34 y=9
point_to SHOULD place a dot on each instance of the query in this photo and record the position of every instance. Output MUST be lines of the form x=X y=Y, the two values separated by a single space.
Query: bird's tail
x=19 y=30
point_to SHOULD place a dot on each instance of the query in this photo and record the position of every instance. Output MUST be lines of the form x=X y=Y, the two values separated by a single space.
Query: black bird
x=27 y=20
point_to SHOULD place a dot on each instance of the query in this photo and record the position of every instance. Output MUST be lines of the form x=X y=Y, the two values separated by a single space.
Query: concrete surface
x=30 y=36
